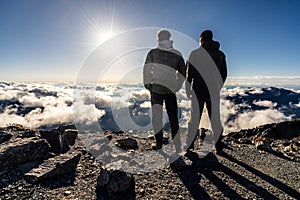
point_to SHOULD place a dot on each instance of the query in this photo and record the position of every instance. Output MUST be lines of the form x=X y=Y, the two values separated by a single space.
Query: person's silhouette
x=196 y=82
x=164 y=73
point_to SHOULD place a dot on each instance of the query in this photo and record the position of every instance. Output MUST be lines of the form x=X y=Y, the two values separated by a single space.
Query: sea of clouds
x=37 y=105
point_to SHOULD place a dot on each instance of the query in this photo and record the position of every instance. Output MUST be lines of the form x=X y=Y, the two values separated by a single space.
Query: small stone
x=127 y=143
x=66 y=193
x=142 y=192
x=151 y=137
x=109 y=136
x=264 y=146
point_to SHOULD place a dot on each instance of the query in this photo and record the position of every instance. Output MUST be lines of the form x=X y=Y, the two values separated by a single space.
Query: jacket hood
x=211 y=45
x=165 y=44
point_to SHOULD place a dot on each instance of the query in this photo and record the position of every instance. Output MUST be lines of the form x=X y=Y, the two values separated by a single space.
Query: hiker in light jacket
x=164 y=73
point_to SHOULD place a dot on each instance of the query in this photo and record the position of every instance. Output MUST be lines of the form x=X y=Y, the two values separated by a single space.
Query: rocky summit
x=258 y=163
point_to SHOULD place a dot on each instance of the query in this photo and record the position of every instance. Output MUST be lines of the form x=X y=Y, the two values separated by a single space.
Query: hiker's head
x=163 y=35
x=206 y=35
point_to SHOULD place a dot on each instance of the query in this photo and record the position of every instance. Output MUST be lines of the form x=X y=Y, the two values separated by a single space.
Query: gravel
x=241 y=172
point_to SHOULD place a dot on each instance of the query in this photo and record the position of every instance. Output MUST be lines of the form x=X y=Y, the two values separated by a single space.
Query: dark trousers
x=157 y=114
x=196 y=112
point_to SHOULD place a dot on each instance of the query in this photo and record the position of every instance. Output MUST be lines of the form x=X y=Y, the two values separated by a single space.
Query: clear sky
x=49 y=40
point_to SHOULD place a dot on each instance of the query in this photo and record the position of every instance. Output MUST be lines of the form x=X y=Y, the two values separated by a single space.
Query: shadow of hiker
x=191 y=179
x=281 y=186
x=103 y=193
x=206 y=167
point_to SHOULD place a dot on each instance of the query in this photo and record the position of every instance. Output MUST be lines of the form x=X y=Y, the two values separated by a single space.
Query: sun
x=105 y=35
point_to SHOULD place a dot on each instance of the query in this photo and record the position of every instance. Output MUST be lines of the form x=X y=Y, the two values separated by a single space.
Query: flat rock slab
x=58 y=165
x=23 y=150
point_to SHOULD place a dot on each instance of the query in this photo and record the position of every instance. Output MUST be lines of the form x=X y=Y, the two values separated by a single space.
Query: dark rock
x=62 y=128
x=67 y=139
x=27 y=134
x=4 y=136
x=284 y=130
x=127 y=143
x=109 y=136
x=52 y=167
x=70 y=136
x=119 y=132
x=52 y=137
x=120 y=181
x=263 y=146
x=22 y=151
x=114 y=180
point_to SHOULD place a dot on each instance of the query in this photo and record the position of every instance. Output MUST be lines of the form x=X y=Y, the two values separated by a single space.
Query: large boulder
x=67 y=139
x=23 y=150
x=52 y=167
x=52 y=138
x=114 y=180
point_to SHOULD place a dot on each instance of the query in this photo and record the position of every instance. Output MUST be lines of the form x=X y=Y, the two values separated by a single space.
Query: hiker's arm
x=147 y=76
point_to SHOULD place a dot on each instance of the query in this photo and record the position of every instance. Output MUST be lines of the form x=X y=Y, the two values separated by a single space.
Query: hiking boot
x=191 y=147
x=157 y=146
x=219 y=147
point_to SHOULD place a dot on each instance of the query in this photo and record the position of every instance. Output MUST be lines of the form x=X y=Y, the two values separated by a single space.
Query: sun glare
x=105 y=36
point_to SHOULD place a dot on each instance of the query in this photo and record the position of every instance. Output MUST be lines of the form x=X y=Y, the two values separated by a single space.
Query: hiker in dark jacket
x=207 y=72
x=164 y=73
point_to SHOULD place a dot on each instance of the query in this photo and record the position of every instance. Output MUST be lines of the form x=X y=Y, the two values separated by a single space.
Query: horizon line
x=111 y=82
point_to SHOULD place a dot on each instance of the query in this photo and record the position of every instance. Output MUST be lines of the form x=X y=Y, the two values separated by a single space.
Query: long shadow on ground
x=281 y=186
x=206 y=166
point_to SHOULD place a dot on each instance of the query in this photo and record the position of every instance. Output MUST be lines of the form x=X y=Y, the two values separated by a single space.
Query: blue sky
x=49 y=40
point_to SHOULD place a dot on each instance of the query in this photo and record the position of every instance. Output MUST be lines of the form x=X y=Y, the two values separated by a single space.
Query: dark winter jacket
x=197 y=62
x=164 y=71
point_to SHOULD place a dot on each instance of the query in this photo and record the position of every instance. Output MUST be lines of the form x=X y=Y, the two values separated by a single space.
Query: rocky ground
x=259 y=163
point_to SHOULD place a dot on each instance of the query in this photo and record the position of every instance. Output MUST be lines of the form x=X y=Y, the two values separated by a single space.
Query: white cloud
x=234 y=91
x=255 y=118
x=146 y=104
x=6 y=119
x=59 y=108
x=141 y=95
x=265 y=103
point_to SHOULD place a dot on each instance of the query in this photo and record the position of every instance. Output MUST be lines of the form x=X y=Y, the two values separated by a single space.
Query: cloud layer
x=36 y=105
